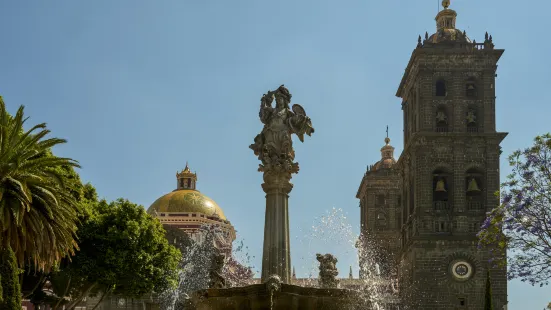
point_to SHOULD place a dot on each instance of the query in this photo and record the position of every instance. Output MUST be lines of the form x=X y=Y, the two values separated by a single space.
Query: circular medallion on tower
x=461 y=270
x=458 y=271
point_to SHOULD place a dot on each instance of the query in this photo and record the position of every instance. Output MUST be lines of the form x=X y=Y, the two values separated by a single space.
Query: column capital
x=277 y=182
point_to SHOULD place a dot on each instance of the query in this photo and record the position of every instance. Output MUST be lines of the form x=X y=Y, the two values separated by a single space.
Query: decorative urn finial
x=445 y=3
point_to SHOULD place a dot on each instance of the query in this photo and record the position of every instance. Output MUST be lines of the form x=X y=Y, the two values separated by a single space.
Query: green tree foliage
x=38 y=211
x=9 y=275
x=33 y=279
x=488 y=300
x=123 y=251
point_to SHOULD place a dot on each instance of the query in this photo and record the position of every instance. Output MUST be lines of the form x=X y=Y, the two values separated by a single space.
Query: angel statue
x=274 y=146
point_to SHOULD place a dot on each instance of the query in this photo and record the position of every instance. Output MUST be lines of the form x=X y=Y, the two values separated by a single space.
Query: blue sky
x=140 y=87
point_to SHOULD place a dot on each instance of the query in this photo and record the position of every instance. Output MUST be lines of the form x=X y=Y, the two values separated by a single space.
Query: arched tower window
x=440 y=88
x=441 y=190
x=380 y=200
x=471 y=120
x=474 y=189
x=441 y=119
x=381 y=221
x=470 y=88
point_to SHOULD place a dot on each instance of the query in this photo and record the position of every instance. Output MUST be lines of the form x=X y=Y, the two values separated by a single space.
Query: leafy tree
x=123 y=251
x=488 y=300
x=33 y=280
x=38 y=214
x=9 y=281
x=522 y=223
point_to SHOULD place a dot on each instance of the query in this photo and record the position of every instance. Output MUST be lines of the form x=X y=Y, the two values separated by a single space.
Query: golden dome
x=186 y=200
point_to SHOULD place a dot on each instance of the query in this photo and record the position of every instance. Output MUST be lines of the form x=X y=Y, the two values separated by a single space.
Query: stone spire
x=350 y=276
x=294 y=273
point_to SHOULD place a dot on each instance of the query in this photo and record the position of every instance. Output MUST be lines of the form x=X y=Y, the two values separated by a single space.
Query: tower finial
x=387 y=139
x=445 y=3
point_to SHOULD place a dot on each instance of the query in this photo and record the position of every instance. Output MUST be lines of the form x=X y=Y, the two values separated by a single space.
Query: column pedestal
x=276 y=256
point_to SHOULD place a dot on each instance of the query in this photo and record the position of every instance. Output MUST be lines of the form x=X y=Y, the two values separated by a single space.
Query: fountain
x=274 y=149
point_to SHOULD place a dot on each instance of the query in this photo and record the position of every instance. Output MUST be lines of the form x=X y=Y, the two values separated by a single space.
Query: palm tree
x=38 y=212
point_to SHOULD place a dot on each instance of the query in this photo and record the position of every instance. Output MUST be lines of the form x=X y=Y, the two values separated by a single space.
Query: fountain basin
x=285 y=297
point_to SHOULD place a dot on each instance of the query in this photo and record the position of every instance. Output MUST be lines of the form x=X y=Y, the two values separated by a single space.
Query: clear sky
x=140 y=87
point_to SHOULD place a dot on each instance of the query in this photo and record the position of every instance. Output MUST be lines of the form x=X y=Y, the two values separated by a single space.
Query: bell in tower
x=473 y=186
x=440 y=186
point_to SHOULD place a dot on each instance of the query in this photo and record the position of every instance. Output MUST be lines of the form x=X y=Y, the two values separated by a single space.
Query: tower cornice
x=414 y=67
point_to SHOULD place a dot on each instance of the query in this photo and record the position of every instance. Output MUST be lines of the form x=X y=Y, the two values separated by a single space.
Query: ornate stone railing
x=474 y=205
x=441 y=205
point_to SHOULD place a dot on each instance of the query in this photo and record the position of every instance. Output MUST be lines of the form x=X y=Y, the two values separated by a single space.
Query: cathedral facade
x=448 y=174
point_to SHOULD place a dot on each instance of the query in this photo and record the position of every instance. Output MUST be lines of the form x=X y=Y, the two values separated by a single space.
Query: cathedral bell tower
x=379 y=197
x=449 y=169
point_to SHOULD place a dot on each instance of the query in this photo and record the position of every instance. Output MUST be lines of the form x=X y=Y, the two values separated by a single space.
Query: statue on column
x=274 y=146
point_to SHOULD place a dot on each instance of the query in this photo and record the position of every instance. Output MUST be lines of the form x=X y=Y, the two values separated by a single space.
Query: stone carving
x=274 y=146
x=443 y=149
x=216 y=280
x=184 y=303
x=273 y=284
x=421 y=141
x=328 y=271
x=471 y=117
x=441 y=117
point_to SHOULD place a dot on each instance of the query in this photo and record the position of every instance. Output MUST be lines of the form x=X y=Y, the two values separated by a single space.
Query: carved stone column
x=274 y=148
x=276 y=255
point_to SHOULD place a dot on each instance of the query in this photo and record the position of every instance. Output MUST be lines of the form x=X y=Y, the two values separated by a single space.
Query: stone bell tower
x=449 y=169
x=379 y=195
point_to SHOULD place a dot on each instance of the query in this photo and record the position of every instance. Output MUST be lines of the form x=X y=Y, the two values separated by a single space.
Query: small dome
x=387 y=156
x=184 y=200
x=385 y=163
x=445 y=27
x=449 y=35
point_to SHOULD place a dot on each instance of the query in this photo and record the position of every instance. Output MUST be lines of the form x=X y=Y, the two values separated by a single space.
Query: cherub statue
x=328 y=271
x=274 y=146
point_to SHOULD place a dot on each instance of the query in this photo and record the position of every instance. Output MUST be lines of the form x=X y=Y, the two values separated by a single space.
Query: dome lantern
x=186 y=179
x=445 y=28
x=445 y=18
x=387 y=155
